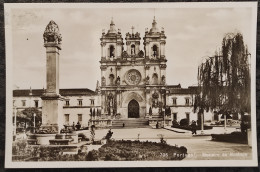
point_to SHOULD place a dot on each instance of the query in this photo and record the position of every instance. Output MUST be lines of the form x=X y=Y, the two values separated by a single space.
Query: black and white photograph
x=130 y=84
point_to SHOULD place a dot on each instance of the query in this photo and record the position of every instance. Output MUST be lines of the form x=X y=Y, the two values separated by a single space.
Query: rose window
x=133 y=77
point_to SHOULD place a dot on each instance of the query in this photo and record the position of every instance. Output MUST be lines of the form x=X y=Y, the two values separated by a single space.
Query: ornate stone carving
x=141 y=53
x=155 y=95
x=103 y=68
x=147 y=67
x=133 y=77
x=147 y=80
x=124 y=55
x=163 y=79
x=118 y=80
x=103 y=44
x=147 y=91
x=162 y=56
x=163 y=66
x=163 y=42
x=52 y=33
x=103 y=81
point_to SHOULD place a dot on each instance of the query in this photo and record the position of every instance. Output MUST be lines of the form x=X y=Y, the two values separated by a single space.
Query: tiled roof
x=63 y=92
x=189 y=90
x=174 y=86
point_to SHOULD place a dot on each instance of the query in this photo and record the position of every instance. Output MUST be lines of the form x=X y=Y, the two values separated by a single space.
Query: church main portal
x=133 y=109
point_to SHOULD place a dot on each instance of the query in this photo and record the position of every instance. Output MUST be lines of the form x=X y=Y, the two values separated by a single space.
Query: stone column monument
x=52 y=116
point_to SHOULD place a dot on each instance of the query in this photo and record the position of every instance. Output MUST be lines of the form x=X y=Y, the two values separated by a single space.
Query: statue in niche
x=155 y=97
x=110 y=104
x=103 y=81
x=118 y=80
x=147 y=80
x=132 y=50
x=124 y=55
x=163 y=79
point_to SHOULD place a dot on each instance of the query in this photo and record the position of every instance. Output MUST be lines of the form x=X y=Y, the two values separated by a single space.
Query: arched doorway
x=133 y=109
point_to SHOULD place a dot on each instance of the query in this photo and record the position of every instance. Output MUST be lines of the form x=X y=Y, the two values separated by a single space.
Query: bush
x=92 y=155
x=175 y=123
x=184 y=122
x=83 y=136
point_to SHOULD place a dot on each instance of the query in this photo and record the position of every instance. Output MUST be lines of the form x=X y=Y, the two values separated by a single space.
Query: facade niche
x=155 y=79
x=111 y=79
x=133 y=49
x=155 y=51
x=111 y=51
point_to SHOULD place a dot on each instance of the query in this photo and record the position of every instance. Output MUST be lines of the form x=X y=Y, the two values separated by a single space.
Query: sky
x=192 y=35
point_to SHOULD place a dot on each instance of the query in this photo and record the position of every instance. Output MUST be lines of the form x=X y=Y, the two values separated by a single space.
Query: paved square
x=199 y=148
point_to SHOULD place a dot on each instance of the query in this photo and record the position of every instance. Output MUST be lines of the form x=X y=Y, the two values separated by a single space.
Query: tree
x=224 y=79
x=29 y=112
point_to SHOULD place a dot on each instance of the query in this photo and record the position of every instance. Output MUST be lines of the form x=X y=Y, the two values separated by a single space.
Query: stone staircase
x=130 y=123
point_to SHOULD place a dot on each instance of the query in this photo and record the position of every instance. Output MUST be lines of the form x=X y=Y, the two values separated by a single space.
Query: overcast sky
x=191 y=34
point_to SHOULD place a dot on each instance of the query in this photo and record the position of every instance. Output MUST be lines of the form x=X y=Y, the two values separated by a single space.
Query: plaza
x=199 y=148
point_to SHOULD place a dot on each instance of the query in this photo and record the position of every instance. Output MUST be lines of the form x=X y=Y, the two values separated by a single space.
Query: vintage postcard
x=130 y=85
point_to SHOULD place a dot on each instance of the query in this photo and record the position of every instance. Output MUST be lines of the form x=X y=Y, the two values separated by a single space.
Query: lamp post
x=202 y=123
x=34 y=115
x=15 y=114
x=225 y=123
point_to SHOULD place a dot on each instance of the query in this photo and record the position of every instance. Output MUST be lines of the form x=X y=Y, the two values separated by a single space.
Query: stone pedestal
x=52 y=116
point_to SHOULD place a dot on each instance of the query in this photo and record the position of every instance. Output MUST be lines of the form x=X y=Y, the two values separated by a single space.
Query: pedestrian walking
x=193 y=127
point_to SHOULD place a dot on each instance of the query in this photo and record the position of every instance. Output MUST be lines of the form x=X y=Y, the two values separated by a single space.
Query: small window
x=80 y=102
x=111 y=51
x=132 y=49
x=36 y=103
x=67 y=103
x=67 y=119
x=155 y=51
x=174 y=101
x=80 y=118
x=175 y=116
x=92 y=102
x=187 y=101
x=23 y=102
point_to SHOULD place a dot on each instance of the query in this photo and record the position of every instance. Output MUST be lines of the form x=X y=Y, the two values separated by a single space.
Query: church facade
x=132 y=80
x=133 y=85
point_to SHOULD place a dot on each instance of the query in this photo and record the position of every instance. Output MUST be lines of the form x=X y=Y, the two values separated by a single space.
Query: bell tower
x=155 y=69
x=154 y=42
x=111 y=43
x=132 y=43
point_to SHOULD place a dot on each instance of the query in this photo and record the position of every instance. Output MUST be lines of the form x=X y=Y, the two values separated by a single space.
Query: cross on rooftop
x=132 y=29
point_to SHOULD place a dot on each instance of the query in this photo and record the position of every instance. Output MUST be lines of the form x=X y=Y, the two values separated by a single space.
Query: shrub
x=92 y=155
x=83 y=136
x=184 y=122
x=175 y=123
x=183 y=149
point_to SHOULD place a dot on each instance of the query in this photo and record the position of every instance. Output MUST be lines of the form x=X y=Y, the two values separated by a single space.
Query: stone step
x=60 y=141
x=130 y=122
